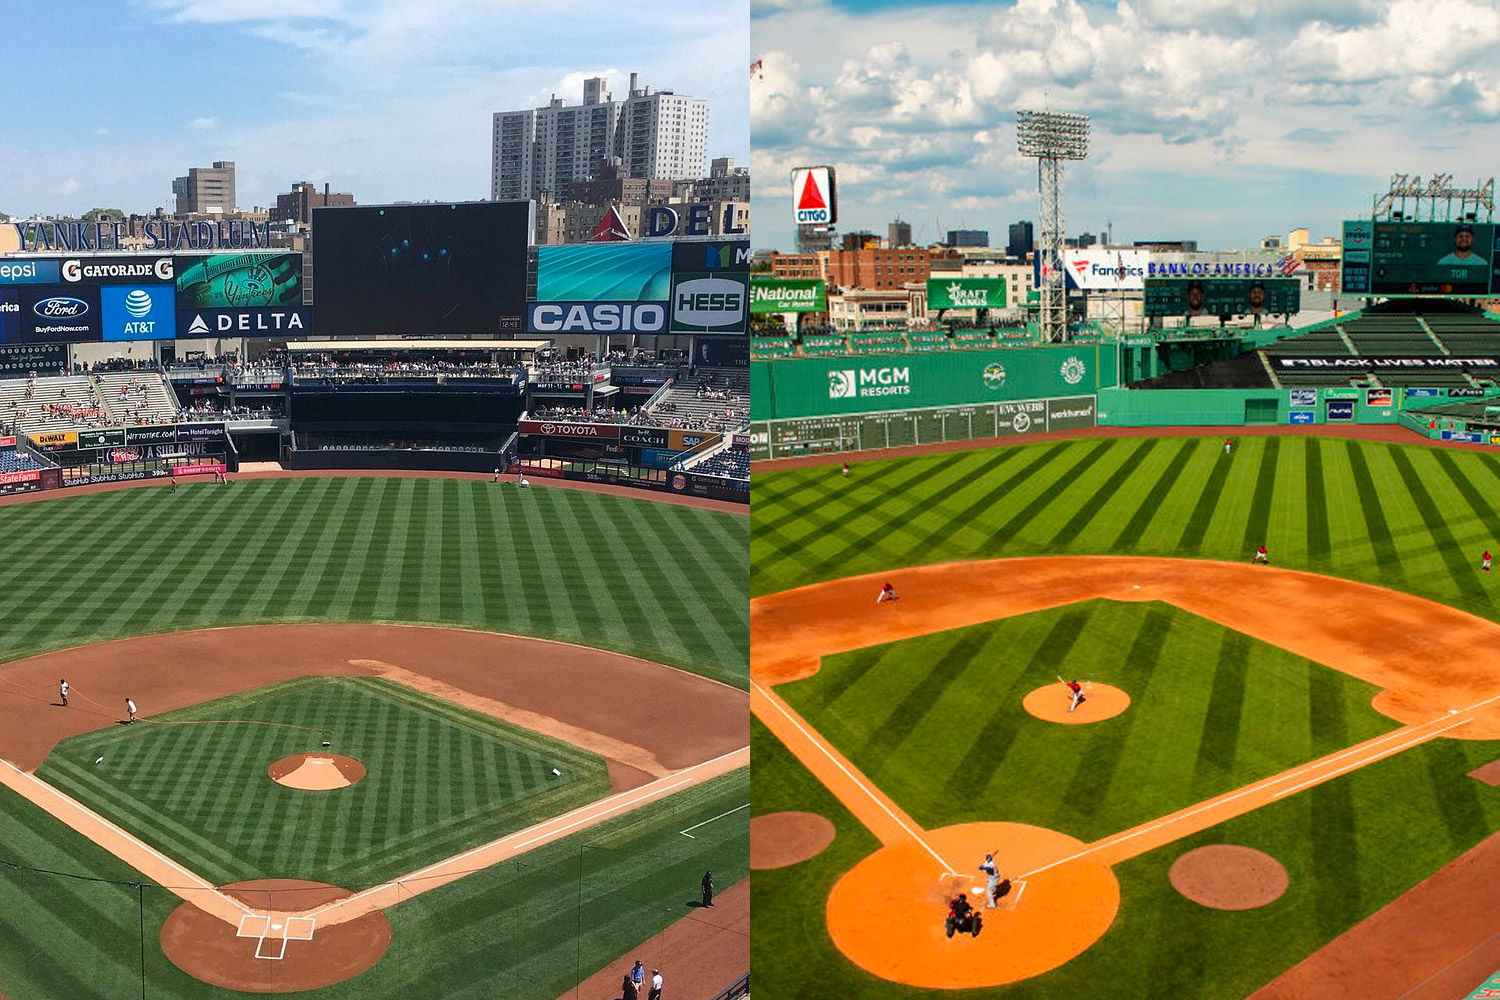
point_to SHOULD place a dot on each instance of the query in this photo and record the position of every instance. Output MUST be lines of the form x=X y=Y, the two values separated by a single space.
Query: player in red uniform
x=1261 y=556
x=887 y=593
x=1075 y=693
x=846 y=470
x=1485 y=565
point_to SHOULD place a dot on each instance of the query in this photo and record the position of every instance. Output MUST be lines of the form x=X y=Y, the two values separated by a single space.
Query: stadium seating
x=929 y=341
x=18 y=461
x=824 y=346
x=771 y=348
x=877 y=342
x=140 y=397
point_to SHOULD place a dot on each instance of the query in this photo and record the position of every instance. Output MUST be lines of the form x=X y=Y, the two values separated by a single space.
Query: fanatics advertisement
x=603 y=272
x=1106 y=270
x=433 y=270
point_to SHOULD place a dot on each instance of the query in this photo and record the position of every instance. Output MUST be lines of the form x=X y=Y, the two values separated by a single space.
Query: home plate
x=275 y=927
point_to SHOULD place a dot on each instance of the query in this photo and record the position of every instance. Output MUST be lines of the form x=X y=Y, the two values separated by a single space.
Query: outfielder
x=1485 y=564
x=1261 y=556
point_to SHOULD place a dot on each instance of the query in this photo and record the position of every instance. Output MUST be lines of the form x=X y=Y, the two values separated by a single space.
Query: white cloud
x=101 y=130
x=204 y=123
x=67 y=187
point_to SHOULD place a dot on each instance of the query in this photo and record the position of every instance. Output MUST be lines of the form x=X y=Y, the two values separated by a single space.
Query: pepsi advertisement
x=444 y=269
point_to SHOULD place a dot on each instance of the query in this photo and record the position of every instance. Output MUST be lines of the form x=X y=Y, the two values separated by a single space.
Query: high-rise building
x=298 y=205
x=543 y=150
x=1021 y=241
x=898 y=233
x=725 y=182
x=968 y=238
x=206 y=190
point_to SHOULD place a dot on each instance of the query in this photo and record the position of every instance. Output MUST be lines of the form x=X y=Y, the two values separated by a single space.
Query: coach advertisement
x=431 y=270
x=644 y=437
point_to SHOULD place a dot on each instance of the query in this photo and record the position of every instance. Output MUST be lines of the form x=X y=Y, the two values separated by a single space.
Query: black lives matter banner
x=1389 y=362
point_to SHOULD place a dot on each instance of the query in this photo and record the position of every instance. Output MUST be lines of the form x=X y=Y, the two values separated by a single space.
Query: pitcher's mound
x=1100 y=701
x=785 y=838
x=1229 y=877
x=316 y=772
x=305 y=958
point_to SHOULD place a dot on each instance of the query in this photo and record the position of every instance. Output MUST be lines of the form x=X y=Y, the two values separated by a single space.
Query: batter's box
x=300 y=928
x=253 y=925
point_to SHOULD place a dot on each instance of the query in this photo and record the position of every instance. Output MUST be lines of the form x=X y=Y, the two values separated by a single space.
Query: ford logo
x=60 y=308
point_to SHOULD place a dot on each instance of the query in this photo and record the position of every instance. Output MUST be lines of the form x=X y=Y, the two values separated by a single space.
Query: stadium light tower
x=1052 y=137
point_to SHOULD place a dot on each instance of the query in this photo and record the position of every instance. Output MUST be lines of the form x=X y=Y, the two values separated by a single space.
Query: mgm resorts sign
x=855 y=383
x=50 y=236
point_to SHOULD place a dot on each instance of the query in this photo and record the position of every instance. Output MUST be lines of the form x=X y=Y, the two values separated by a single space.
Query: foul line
x=1362 y=751
x=695 y=826
x=858 y=780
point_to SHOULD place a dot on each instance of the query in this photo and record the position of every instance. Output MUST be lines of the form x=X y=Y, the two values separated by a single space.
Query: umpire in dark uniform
x=708 y=888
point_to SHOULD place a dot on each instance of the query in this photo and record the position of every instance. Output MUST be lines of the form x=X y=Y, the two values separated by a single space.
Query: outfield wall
x=1119 y=407
x=817 y=387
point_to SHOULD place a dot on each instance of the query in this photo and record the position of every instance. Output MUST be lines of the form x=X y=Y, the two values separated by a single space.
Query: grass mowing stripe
x=1482 y=508
x=1460 y=568
x=1196 y=526
x=1387 y=559
x=1107 y=492
x=1319 y=545
x=1258 y=522
x=976 y=512
x=1226 y=702
x=1459 y=803
x=1149 y=506
x=1028 y=512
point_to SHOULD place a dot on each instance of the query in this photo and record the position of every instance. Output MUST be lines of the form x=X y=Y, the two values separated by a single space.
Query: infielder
x=62 y=691
x=130 y=710
x=887 y=593
x=1076 y=690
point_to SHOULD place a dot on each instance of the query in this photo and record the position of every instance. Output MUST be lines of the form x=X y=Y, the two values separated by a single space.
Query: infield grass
x=663 y=582
x=439 y=779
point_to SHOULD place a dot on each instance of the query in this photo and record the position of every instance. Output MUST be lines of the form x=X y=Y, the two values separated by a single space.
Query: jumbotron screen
x=1222 y=296
x=420 y=269
x=1419 y=258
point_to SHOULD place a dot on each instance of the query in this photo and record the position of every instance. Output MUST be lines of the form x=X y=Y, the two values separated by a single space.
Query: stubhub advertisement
x=139 y=312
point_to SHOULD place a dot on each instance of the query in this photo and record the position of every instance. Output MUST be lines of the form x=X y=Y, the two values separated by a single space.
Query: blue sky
x=388 y=99
x=1217 y=120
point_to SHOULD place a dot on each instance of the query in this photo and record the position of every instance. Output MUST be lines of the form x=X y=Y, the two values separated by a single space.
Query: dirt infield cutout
x=787 y=838
x=316 y=772
x=277 y=953
x=1431 y=684
x=1229 y=877
x=1100 y=701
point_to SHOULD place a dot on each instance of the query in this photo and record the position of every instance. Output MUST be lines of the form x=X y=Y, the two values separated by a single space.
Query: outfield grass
x=939 y=717
x=527 y=930
x=663 y=582
x=1411 y=517
x=439 y=780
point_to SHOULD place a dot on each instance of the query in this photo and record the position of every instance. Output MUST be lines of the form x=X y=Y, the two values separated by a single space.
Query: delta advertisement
x=965 y=293
x=788 y=295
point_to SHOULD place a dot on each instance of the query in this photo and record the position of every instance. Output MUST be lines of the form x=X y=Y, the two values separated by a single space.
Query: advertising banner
x=1106 y=270
x=577 y=432
x=597 y=317
x=51 y=314
x=709 y=302
x=138 y=312
x=430 y=270
x=1466 y=391
x=101 y=439
x=7 y=442
x=27 y=476
x=134 y=270
x=1301 y=417
x=710 y=487
x=53 y=439
x=1366 y=362
x=965 y=293
x=815 y=196
x=1418 y=258
x=1339 y=409
x=683 y=440
x=239 y=280
x=201 y=433
x=1222 y=296
x=604 y=272
x=264 y=321
x=711 y=255
x=783 y=295
x=1302 y=397
x=1378 y=397
x=644 y=437
x=1415 y=393
x=30 y=272
x=199 y=469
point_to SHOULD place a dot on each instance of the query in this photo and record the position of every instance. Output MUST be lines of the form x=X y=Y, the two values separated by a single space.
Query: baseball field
x=1265 y=759
x=397 y=737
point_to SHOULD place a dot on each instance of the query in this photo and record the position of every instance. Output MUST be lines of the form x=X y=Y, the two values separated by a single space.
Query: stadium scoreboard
x=1419 y=258
x=1222 y=296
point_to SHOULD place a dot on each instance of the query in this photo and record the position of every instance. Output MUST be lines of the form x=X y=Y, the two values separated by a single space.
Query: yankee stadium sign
x=160 y=234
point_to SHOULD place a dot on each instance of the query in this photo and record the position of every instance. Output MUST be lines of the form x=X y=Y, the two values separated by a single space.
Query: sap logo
x=60 y=307
x=708 y=302
x=598 y=317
